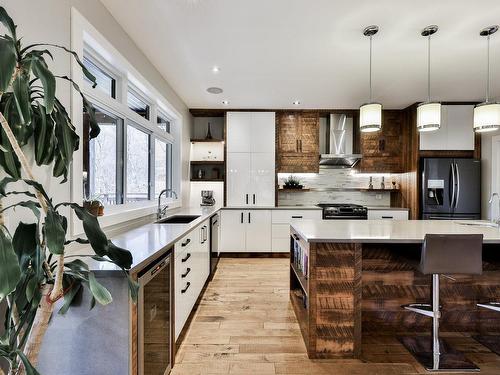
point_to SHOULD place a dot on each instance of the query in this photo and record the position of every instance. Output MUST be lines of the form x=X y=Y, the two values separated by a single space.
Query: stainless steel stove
x=339 y=211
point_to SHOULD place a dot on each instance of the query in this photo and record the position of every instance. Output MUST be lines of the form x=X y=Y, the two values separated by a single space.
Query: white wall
x=49 y=21
x=487 y=175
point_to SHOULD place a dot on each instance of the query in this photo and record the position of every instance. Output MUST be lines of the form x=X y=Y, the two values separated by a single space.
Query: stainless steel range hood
x=336 y=142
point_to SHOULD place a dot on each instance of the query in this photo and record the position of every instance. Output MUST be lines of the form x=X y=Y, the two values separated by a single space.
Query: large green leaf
x=30 y=370
x=20 y=87
x=69 y=296
x=10 y=272
x=10 y=110
x=55 y=232
x=45 y=141
x=100 y=293
x=32 y=205
x=10 y=164
x=7 y=22
x=7 y=62
x=25 y=240
x=48 y=80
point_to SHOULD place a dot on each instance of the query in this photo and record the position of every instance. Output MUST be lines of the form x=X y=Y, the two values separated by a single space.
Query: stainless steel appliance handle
x=457 y=170
x=453 y=182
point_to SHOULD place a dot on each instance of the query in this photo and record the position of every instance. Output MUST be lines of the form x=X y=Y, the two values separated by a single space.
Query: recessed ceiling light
x=215 y=69
x=215 y=90
x=296 y=102
x=225 y=102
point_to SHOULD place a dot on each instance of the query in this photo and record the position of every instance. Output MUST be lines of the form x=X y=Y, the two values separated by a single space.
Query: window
x=163 y=123
x=137 y=165
x=101 y=172
x=160 y=166
x=105 y=82
x=138 y=105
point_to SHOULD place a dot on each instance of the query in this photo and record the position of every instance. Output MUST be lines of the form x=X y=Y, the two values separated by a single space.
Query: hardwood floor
x=244 y=324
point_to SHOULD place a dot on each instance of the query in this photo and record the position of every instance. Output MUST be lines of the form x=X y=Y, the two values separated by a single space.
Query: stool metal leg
x=433 y=353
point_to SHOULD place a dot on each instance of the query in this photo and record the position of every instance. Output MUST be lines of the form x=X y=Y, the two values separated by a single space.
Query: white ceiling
x=272 y=52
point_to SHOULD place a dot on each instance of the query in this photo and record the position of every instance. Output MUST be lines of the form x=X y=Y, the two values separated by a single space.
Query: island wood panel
x=335 y=298
x=389 y=281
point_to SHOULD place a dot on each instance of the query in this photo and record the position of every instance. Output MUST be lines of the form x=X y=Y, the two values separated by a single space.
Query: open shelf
x=207 y=179
x=304 y=283
x=293 y=190
x=207 y=162
x=213 y=140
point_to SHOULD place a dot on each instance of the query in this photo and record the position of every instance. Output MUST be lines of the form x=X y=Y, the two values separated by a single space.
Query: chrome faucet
x=161 y=210
x=497 y=220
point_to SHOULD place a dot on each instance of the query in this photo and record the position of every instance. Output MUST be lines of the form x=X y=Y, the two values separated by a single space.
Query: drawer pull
x=387 y=217
x=297 y=217
x=186 y=273
x=296 y=237
x=184 y=244
x=188 y=284
x=188 y=255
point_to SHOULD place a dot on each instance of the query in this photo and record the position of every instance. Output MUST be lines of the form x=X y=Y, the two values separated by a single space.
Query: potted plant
x=292 y=182
x=94 y=205
x=34 y=269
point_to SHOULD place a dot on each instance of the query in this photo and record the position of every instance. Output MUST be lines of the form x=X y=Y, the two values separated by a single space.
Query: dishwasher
x=154 y=317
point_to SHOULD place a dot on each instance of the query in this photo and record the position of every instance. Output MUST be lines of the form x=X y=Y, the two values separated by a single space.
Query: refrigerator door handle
x=453 y=183
x=458 y=184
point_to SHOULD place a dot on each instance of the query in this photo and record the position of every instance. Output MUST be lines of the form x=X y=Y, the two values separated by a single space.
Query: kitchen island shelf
x=301 y=279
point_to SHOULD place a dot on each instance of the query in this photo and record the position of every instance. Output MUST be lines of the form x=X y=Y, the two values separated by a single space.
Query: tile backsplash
x=337 y=179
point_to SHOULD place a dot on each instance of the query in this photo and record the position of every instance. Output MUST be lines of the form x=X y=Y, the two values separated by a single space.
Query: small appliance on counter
x=339 y=211
x=207 y=198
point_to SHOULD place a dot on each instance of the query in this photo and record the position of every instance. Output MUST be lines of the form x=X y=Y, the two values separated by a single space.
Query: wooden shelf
x=301 y=313
x=304 y=283
x=207 y=179
x=381 y=190
x=207 y=162
x=293 y=190
x=207 y=140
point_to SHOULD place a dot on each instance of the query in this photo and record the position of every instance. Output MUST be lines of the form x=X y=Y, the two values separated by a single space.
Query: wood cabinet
x=250 y=159
x=383 y=150
x=298 y=142
x=245 y=231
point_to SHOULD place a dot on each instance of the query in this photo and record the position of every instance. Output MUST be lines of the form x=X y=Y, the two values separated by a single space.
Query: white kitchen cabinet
x=456 y=132
x=387 y=214
x=239 y=131
x=258 y=231
x=191 y=268
x=281 y=220
x=250 y=159
x=245 y=231
x=262 y=180
x=239 y=176
x=233 y=231
x=263 y=132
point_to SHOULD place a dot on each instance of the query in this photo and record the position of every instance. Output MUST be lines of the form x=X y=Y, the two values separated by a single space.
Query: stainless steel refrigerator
x=451 y=188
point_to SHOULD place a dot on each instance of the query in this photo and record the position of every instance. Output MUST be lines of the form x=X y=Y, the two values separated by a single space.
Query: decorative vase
x=209 y=132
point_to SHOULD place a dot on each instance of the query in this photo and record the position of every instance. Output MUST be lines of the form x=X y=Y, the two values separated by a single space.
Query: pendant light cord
x=370 y=68
x=429 y=68
x=488 y=70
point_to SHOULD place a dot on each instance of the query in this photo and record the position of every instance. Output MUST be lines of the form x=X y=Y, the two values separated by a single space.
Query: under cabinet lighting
x=296 y=102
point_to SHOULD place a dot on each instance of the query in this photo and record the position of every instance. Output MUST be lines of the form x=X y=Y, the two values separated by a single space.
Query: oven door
x=154 y=316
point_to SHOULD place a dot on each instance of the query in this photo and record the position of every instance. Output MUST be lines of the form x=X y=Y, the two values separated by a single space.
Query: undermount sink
x=178 y=219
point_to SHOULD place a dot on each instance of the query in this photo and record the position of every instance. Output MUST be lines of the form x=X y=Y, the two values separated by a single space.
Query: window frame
x=85 y=39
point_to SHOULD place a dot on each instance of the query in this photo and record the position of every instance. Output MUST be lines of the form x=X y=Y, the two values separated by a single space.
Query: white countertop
x=385 y=208
x=273 y=208
x=385 y=231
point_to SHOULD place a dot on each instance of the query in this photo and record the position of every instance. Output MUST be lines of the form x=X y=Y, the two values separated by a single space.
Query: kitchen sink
x=178 y=219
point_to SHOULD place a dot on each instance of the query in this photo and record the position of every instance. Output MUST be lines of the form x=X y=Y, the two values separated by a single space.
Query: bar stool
x=443 y=255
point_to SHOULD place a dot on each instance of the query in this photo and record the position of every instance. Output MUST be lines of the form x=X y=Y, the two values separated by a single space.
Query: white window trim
x=83 y=36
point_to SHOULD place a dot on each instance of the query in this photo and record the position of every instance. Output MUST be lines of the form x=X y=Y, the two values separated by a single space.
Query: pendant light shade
x=429 y=113
x=487 y=114
x=428 y=117
x=370 y=114
x=370 y=117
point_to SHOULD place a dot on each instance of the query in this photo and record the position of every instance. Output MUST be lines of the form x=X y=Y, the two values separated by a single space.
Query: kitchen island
x=349 y=278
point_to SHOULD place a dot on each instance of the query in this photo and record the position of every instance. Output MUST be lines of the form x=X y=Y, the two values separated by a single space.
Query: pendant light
x=487 y=114
x=370 y=114
x=429 y=113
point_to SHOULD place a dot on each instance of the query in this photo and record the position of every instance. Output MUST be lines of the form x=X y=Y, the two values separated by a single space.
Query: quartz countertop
x=272 y=208
x=389 y=231
x=385 y=208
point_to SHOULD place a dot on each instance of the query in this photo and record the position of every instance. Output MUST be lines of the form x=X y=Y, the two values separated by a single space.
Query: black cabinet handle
x=249 y=218
x=246 y=198
x=188 y=284
x=184 y=244
x=242 y=218
x=297 y=217
x=254 y=199
x=387 y=217
x=296 y=237
x=186 y=273
x=188 y=255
